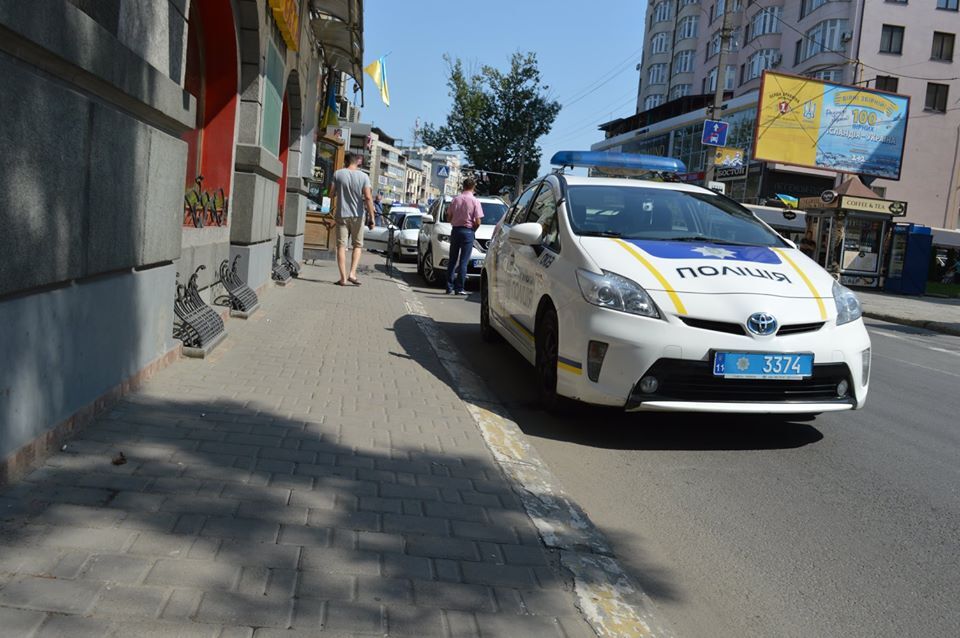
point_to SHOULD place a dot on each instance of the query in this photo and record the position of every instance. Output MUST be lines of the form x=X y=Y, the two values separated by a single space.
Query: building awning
x=946 y=238
x=338 y=27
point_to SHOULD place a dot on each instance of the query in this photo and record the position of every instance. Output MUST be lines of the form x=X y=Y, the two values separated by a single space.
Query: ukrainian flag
x=788 y=200
x=378 y=71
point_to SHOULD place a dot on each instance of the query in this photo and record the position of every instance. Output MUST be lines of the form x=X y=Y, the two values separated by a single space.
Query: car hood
x=408 y=234
x=699 y=272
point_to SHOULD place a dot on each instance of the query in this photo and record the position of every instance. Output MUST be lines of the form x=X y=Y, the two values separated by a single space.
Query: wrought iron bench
x=290 y=262
x=240 y=297
x=198 y=325
x=281 y=271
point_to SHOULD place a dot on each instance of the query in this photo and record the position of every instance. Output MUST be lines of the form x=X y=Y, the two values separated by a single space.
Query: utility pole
x=714 y=110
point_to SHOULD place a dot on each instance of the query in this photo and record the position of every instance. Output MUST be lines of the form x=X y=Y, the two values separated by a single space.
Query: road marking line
x=917 y=365
x=610 y=603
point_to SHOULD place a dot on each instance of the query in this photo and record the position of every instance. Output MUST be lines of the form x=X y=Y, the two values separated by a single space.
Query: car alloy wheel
x=547 y=353
x=430 y=274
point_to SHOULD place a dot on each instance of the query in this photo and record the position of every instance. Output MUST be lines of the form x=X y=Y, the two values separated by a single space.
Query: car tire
x=430 y=274
x=547 y=340
x=487 y=332
x=419 y=264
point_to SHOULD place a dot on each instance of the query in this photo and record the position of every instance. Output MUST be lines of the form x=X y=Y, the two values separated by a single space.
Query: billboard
x=848 y=129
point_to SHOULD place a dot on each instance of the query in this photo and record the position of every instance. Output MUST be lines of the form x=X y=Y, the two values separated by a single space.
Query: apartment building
x=905 y=46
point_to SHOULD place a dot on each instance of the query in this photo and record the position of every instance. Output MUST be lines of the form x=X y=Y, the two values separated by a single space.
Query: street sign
x=443 y=171
x=714 y=133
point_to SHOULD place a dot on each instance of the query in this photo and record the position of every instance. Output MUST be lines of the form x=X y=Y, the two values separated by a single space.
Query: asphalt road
x=848 y=525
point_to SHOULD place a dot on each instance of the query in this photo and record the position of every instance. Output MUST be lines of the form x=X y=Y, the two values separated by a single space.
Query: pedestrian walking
x=353 y=192
x=465 y=214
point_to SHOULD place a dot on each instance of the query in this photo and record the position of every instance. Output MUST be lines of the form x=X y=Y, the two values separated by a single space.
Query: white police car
x=656 y=295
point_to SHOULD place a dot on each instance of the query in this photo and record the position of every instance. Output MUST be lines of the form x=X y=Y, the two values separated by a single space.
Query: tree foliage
x=497 y=118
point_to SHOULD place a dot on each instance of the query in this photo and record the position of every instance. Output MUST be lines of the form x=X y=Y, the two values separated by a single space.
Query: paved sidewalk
x=933 y=313
x=316 y=475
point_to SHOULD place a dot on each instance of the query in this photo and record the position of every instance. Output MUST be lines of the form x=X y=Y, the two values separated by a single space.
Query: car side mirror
x=527 y=234
x=427 y=219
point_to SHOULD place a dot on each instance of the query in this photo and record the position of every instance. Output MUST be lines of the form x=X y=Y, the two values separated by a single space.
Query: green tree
x=497 y=118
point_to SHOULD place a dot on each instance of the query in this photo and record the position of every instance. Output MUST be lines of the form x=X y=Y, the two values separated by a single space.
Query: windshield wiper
x=711 y=240
x=600 y=233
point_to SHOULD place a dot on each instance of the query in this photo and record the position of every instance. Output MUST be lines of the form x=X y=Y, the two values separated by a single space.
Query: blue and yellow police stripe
x=569 y=365
x=522 y=329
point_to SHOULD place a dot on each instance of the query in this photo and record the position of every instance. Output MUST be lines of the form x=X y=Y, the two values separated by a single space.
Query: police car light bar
x=619 y=162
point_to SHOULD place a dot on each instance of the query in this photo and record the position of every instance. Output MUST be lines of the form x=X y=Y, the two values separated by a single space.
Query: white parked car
x=434 y=240
x=658 y=295
x=406 y=221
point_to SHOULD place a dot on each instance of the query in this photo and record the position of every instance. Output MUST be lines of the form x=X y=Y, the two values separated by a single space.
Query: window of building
x=809 y=6
x=936 y=97
x=657 y=74
x=797 y=52
x=680 y=90
x=684 y=3
x=763 y=22
x=829 y=75
x=942 y=46
x=887 y=83
x=713 y=46
x=659 y=43
x=950 y=5
x=762 y=59
x=891 y=39
x=825 y=37
x=653 y=101
x=710 y=82
x=687 y=27
x=683 y=62
x=662 y=11
x=896 y=1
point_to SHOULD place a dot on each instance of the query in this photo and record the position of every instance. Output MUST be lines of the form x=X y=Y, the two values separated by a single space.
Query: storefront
x=850 y=231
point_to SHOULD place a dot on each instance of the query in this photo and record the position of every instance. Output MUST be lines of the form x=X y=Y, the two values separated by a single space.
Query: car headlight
x=848 y=306
x=443 y=238
x=610 y=290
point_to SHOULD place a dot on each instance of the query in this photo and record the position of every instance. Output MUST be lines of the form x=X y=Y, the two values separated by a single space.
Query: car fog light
x=596 y=351
x=443 y=263
x=842 y=388
x=649 y=385
x=865 y=374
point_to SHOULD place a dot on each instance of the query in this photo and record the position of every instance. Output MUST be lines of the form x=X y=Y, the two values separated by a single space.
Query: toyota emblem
x=762 y=324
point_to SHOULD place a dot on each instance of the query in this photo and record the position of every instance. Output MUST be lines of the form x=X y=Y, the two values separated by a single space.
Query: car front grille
x=716 y=326
x=682 y=380
x=738 y=329
x=799 y=328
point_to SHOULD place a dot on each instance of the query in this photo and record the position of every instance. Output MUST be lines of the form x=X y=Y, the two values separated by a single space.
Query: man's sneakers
x=462 y=293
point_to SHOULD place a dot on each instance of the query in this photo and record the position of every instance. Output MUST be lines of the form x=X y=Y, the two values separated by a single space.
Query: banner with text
x=847 y=129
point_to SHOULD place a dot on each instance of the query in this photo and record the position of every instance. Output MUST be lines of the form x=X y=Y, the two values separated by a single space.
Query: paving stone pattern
x=315 y=476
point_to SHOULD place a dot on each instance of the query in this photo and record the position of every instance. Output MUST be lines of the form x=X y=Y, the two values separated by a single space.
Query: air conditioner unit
x=776 y=60
x=846 y=36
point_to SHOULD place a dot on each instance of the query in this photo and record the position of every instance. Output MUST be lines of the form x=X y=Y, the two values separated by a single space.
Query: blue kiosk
x=910 y=249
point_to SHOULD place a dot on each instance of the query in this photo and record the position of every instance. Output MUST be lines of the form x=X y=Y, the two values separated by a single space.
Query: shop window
x=272 y=100
x=210 y=76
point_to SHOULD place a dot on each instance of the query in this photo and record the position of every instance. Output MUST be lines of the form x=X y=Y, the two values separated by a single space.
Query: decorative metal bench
x=240 y=297
x=198 y=325
x=290 y=262
x=281 y=271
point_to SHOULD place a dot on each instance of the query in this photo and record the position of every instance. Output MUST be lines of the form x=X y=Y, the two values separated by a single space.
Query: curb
x=610 y=603
x=935 y=326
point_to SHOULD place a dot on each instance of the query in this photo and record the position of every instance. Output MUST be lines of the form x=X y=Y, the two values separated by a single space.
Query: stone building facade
x=113 y=111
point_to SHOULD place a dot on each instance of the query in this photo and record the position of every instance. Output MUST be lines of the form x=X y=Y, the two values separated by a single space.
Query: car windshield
x=492 y=212
x=412 y=221
x=633 y=212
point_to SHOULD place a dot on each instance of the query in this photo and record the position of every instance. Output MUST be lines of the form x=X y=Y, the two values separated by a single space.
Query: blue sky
x=587 y=53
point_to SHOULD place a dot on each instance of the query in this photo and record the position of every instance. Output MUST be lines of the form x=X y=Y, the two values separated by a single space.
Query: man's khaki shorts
x=351 y=227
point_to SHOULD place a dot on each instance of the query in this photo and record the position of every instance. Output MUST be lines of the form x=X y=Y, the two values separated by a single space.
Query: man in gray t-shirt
x=351 y=188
